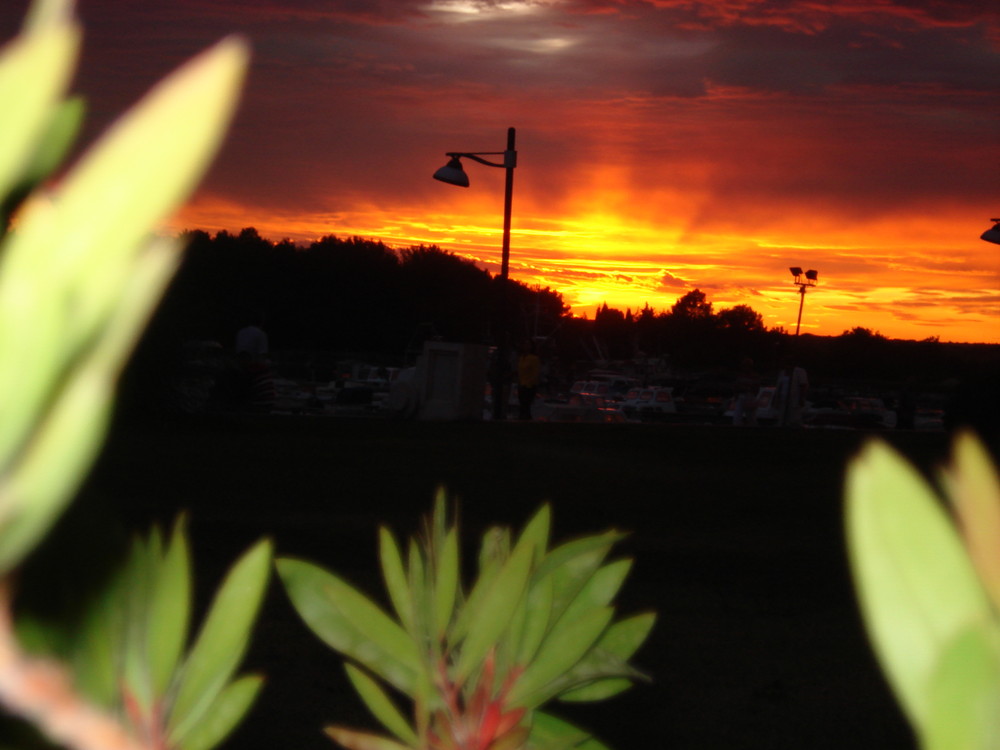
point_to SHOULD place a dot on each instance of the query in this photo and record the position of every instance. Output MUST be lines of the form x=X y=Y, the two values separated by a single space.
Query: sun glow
x=939 y=280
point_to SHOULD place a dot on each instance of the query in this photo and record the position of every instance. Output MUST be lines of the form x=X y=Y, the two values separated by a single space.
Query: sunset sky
x=664 y=145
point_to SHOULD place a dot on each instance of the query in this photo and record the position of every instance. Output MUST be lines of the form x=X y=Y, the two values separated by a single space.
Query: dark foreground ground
x=737 y=536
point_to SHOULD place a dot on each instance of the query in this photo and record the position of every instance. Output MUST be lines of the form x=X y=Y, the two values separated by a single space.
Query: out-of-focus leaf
x=965 y=694
x=599 y=589
x=381 y=705
x=95 y=660
x=66 y=442
x=536 y=532
x=395 y=578
x=44 y=13
x=446 y=582
x=975 y=492
x=34 y=71
x=496 y=609
x=609 y=657
x=538 y=609
x=916 y=585
x=572 y=564
x=169 y=610
x=221 y=641
x=225 y=713
x=355 y=740
x=551 y=733
x=349 y=622
x=55 y=144
x=562 y=648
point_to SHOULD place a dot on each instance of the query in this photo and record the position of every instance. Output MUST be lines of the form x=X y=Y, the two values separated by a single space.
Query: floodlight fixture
x=803 y=280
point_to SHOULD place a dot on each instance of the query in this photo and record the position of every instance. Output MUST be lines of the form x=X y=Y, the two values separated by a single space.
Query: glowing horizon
x=609 y=260
x=664 y=145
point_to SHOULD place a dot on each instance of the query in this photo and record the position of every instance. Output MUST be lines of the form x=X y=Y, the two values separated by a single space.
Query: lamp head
x=452 y=173
x=992 y=235
x=796 y=271
x=812 y=275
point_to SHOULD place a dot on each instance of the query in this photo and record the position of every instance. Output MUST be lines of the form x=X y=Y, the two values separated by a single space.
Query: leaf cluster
x=479 y=662
x=930 y=588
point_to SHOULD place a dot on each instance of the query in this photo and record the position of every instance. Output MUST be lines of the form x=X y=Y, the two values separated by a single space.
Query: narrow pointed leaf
x=446 y=582
x=169 y=610
x=965 y=693
x=225 y=714
x=395 y=578
x=916 y=586
x=538 y=611
x=561 y=650
x=975 y=492
x=222 y=641
x=496 y=609
x=353 y=739
x=34 y=71
x=598 y=590
x=381 y=705
x=352 y=624
x=551 y=733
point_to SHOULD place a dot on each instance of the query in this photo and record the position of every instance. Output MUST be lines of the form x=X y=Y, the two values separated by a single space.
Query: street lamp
x=803 y=280
x=453 y=174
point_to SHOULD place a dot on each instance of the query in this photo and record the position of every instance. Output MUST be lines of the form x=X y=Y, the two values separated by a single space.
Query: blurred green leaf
x=551 y=733
x=974 y=490
x=395 y=578
x=538 y=609
x=35 y=70
x=355 y=740
x=225 y=712
x=169 y=610
x=222 y=640
x=965 y=694
x=381 y=705
x=610 y=657
x=916 y=585
x=562 y=648
x=349 y=622
x=494 y=612
x=598 y=590
x=446 y=583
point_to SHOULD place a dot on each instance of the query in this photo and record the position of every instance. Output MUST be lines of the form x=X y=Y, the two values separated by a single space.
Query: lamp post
x=802 y=280
x=454 y=174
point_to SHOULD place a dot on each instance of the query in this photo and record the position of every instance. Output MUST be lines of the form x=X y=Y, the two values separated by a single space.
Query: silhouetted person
x=252 y=340
x=747 y=387
x=792 y=386
x=529 y=369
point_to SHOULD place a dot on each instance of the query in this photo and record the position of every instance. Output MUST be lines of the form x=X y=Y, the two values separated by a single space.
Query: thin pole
x=802 y=301
x=503 y=348
x=509 y=159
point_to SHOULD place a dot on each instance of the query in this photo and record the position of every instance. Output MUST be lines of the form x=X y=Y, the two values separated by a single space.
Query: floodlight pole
x=802 y=301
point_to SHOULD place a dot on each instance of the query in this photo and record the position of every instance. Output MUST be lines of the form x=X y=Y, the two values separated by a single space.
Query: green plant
x=478 y=665
x=930 y=588
x=80 y=272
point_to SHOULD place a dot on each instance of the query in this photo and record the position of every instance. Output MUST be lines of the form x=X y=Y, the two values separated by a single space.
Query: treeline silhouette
x=361 y=298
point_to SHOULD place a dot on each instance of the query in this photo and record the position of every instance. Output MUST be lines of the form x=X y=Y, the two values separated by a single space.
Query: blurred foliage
x=478 y=664
x=80 y=272
x=930 y=588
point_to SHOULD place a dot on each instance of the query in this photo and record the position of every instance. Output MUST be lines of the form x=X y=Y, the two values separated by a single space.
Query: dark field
x=736 y=534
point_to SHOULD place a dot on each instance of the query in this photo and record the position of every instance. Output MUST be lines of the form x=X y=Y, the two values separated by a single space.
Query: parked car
x=649 y=404
x=851 y=412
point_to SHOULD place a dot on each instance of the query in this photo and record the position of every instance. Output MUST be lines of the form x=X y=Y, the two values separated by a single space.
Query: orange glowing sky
x=664 y=145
